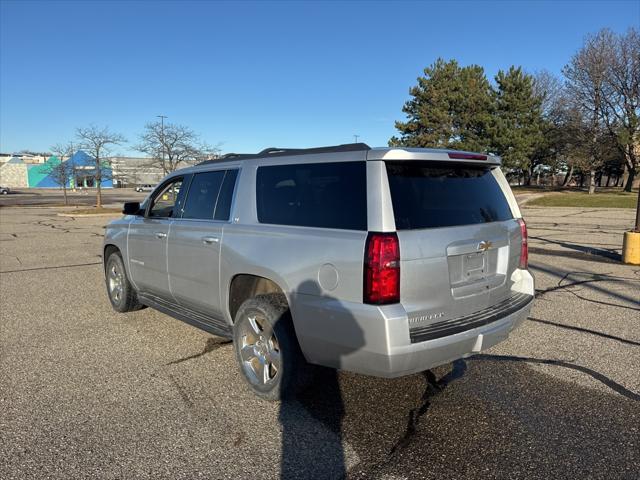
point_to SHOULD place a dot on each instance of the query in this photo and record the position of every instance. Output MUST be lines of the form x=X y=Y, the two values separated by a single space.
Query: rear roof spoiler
x=432 y=154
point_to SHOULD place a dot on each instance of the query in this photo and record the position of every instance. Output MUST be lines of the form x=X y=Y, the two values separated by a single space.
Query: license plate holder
x=474 y=265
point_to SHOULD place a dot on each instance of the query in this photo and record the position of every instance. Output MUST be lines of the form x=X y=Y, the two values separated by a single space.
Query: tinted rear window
x=329 y=195
x=431 y=196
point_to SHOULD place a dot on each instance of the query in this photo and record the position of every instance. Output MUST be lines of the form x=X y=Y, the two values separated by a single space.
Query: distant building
x=132 y=171
x=29 y=158
x=13 y=173
x=17 y=173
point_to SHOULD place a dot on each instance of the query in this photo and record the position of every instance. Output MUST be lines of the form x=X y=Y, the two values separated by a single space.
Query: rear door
x=459 y=241
x=195 y=240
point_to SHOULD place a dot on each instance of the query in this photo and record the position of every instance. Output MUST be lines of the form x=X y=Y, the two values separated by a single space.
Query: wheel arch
x=107 y=250
x=247 y=285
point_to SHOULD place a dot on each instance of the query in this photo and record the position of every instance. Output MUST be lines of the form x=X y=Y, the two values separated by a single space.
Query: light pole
x=162 y=117
x=356 y=137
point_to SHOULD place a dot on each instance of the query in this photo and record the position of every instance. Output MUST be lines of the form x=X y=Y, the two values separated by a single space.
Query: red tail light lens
x=524 y=248
x=382 y=269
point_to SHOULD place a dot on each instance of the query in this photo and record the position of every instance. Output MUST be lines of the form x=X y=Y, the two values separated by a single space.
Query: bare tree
x=550 y=90
x=621 y=108
x=62 y=172
x=586 y=76
x=96 y=142
x=172 y=146
x=552 y=150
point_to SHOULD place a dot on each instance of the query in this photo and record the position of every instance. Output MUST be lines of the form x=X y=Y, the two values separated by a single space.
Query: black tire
x=121 y=293
x=271 y=312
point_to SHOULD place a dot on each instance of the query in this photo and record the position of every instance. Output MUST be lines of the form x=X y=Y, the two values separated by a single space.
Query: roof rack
x=283 y=152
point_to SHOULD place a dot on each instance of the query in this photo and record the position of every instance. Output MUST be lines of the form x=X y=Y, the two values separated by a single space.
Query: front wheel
x=122 y=295
x=266 y=347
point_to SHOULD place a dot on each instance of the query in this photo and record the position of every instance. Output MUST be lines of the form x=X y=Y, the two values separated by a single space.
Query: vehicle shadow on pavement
x=502 y=419
x=313 y=444
x=487 y=416
x=307 y=451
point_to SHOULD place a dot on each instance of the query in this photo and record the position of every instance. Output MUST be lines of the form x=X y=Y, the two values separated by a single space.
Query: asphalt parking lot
x=88 y=393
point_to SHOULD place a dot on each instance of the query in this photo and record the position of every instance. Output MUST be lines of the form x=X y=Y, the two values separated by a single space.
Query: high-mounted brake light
x=524 y=246
x=382 y=269
x=466 y=156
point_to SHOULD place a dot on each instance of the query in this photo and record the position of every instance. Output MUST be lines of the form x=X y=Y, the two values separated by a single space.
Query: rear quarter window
x=428 y=195
x=326 y=195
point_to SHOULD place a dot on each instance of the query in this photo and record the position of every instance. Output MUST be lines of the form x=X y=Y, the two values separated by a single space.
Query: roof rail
x=283 y=152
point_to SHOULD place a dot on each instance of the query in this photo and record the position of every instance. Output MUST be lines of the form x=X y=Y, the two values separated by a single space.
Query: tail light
x=382 y=269
x=524 y=246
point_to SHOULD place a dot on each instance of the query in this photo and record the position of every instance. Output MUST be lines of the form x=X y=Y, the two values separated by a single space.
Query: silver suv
x=383 y=261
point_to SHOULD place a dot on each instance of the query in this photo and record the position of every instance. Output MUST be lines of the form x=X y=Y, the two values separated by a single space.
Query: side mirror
x=131 y=208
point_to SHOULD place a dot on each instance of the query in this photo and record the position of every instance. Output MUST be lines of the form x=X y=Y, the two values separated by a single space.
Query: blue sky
x=249 y=75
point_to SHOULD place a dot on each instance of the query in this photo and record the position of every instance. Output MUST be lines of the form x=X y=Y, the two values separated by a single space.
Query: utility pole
x=356 y=138
x=162 y=117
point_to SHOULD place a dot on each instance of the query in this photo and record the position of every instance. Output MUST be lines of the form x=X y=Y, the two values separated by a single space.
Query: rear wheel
x=266 y=347
x=122 y=295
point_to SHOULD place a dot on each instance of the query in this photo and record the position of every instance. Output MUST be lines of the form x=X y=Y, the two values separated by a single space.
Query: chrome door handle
x=161 y=235
x=210 y=240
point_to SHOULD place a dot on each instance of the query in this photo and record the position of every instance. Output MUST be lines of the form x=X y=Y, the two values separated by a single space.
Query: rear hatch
x=459 y=240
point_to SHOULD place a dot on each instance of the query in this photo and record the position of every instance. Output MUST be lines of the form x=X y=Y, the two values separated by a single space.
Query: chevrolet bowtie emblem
x=484 y=245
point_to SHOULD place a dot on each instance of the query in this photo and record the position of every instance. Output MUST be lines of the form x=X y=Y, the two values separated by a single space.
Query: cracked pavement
x=86 y=392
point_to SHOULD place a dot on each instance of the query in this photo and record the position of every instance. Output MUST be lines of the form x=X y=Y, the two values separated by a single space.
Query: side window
x=328 y=195
x=203 y=195
x=223 y=207
x=166 y=200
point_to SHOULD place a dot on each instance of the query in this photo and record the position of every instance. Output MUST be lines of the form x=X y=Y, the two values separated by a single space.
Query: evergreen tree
x=450 y=108
x=518 y=122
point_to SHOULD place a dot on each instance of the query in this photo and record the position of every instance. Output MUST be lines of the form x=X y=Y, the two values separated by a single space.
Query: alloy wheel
x=259 y=350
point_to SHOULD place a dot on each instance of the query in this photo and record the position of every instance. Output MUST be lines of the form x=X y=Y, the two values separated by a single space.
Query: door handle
x=210 y=240
x=161 y=235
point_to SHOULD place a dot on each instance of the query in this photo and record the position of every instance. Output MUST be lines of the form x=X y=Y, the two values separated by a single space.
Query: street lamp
x=162 y=117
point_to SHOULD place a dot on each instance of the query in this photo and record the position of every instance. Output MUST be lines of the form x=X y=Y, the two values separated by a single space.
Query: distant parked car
x=145 y=188
x=5 y=190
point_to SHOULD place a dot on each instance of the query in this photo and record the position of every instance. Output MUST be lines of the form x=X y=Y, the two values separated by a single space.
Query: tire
x=121 y=293
x=266 y=347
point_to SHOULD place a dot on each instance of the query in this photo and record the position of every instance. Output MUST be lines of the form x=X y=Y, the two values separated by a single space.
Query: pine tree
x=451 y=108
x=518 y=122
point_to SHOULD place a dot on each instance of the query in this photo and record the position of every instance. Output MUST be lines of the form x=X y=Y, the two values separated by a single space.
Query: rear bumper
x=377 y=340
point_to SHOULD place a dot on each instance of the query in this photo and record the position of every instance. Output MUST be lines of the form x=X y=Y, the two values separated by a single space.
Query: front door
x=148 y=237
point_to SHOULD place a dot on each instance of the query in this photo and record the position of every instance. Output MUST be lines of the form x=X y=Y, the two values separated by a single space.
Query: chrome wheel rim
x=116 y=282
x=259 y=351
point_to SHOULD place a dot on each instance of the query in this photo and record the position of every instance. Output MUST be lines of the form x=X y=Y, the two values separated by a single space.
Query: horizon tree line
x=587 y=121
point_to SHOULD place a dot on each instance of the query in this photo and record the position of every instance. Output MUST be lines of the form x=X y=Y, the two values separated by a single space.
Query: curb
x=86 y=215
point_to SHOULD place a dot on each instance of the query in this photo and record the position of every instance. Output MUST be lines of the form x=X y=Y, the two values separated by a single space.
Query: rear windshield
x=425 y=195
